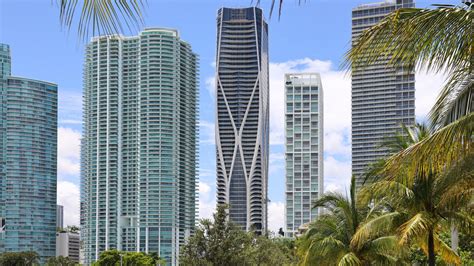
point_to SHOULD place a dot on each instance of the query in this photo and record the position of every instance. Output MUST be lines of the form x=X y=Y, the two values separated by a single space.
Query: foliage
x=98 y=17
x=350 y=234
x=220 y=242
x=426 y=202
x=215 y=242
x=73 y=229
x=266 y=251
x=430 y=182
x=112 y=257
x=60 y=261
x=19 y=258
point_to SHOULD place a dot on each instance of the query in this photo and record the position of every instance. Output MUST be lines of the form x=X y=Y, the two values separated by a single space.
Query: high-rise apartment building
x=304 y=148
x=28 y=146
x=59 y=216
x=67 y=245
x=383 y=97
x=242 y=128
x=139 y=147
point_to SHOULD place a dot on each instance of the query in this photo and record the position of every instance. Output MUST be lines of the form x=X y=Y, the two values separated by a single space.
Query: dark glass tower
x=28 y=147
x=383 y=97
x=242 y=129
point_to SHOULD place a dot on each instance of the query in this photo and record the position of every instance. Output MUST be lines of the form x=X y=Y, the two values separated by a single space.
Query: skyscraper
x=242 y=128
x=139 y=147
x=383 y=97
x=28 y=145
x=59 y=216
x=304 y=148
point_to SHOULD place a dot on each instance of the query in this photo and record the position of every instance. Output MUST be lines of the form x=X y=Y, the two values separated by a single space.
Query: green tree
x=329 y=239
x=220 y=242
x=270 y=251
x=114 y=257
x=73 y=229
x=19 y=258
x=60 y=261
x=217 y=242
x=424 y=205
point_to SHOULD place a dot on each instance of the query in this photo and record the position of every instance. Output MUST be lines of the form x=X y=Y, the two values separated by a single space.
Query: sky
x=309 y=37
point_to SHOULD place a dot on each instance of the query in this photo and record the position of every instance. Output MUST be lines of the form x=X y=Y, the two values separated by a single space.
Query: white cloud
x=337 y=142
x=276 y=163
x=68 y=196
x=207 y=132
x=70 y=121
x=211 y=87
x=69 y=106
x=337 y=174
x=427 y=88
x=207 y=201
x=69 y=148
x=206 y=173
x=332 y=188
x=204 y=188
x=276 y=216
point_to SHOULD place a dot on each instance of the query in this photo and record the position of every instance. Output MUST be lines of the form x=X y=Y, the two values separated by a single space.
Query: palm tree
x=328 y=240
x=439 y=40
x=100 y=16
x=426 y=203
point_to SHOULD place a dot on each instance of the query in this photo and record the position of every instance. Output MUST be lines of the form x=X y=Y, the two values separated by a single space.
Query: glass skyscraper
x=242 y=128
x=139 y=147
x=28 y=147
x=383 y=97
x=304 y=148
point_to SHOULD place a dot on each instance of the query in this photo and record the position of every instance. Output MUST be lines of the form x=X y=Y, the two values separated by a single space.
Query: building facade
x=67 y=245
x=59 y=216
x=28 y=147
x=242 y=128
x=304 y=148
x=383 y=97
x=139 y=146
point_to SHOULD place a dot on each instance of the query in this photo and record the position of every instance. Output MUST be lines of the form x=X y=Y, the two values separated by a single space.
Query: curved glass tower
x=242 y=129
x=139 y=153
x=28 y=147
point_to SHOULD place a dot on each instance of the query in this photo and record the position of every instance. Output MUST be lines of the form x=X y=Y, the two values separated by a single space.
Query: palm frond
x=442 y=249
x=414 y=228
x=436 y=39
x=98 y=17
x=435 y=153
x=388 y=249
x=397 y=193
x=456 y=186
x=350 y=259
x=455 y=100
x=371 y=229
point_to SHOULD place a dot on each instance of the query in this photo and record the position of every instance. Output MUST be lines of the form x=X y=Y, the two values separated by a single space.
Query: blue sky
x=312 y=36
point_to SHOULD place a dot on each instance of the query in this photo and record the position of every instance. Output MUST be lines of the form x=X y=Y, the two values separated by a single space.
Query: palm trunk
x=431 y=252
x=454 y=238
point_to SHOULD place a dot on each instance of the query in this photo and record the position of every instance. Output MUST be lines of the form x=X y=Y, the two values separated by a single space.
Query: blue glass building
x=28 y=147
